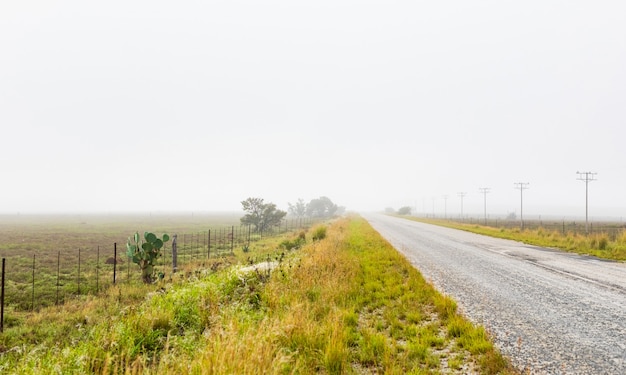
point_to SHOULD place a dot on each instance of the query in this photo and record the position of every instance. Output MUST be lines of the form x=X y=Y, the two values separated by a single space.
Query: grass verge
x=345 y=304
x=600 y=245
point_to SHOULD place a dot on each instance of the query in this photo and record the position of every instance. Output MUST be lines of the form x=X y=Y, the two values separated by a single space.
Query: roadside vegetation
x=601 y=245
x=336 y=299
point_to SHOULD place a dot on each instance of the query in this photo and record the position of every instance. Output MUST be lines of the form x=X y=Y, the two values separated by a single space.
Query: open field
x=51 y=258
x=605 y=239
x=346 y=303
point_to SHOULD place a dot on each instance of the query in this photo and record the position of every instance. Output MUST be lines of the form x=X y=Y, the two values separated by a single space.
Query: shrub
x=319 y=233
x=292 y=244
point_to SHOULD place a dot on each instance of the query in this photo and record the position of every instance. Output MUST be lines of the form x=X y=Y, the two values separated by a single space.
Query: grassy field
x=347 y=303
x=607 y=244
x=51 y=258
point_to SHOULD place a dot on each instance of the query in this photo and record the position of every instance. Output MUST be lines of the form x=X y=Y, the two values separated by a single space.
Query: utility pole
x=445 y=206
x=485 y=191
x=587 y=177
x=461 y=195
x=521 y=186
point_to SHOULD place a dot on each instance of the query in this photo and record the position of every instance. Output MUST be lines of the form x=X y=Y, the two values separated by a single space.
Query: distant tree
x=298 y=209
x=321 y=207
x=261 y=215
x=406 y=210
x=389 y=210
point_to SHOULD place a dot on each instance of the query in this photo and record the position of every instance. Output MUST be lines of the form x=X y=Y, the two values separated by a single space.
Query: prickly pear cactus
x=145 y=251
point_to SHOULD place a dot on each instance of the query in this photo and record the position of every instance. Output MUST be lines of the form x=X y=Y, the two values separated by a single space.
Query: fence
x=30 y=282
x=612 y=229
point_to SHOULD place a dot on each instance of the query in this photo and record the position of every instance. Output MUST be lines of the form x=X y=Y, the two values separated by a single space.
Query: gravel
x=550 y=312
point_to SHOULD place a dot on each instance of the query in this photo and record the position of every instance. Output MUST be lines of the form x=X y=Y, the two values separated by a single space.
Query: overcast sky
x=114 y=105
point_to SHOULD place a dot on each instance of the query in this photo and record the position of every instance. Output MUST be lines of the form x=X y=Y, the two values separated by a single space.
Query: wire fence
x=37 y=280
x=612 y=229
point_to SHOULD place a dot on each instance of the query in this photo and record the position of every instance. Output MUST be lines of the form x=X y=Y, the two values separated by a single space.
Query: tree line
x=262 y=215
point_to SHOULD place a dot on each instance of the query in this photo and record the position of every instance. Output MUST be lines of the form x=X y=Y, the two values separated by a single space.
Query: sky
x=116 y=106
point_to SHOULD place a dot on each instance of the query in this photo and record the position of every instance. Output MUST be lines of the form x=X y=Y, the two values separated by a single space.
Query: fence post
x=2 y=298
x=32 y=306
x=232 y=239
x=78 y=277
x=58 y=274
x=114 y=261
x=174 y=254
x=208 y=254
x=98 y=270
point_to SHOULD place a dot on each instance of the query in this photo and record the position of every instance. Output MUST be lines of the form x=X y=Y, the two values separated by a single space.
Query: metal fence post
x=78 y=277
x=2 y=298
x=114 y=261
x=58 y=274
x=32 y=306
x=98 y=270
x=174 y=254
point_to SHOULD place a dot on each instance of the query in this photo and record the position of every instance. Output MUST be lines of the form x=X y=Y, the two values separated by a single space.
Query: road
x=550 y=312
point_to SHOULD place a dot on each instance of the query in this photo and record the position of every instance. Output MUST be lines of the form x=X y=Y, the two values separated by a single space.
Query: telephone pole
x=461 y=195
x=485 y=191
x=445 y=206
x=521 y=186
x=587 y=177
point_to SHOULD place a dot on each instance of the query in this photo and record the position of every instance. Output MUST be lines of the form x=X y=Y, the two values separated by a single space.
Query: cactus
x=144 y=252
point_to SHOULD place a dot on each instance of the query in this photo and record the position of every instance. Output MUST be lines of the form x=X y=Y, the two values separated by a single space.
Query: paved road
x=550 y=312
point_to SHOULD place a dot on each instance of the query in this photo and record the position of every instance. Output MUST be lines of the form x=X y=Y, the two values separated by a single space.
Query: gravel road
x=550 y=312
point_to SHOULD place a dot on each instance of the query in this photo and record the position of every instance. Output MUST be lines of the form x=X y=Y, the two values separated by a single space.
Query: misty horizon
x=152 y=106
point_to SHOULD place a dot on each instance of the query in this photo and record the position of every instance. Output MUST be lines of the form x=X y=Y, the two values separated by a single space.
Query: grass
x=347 y=303
x=62 y=257
x=602 y=245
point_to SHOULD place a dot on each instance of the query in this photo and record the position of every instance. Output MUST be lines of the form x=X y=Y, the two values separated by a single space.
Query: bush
x=319 y=233
x=293 y=244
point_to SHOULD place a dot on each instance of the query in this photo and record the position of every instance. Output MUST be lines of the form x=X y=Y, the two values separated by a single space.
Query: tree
x=261 y=215
x=321 y=207
x=406 y=210
x=298 y=209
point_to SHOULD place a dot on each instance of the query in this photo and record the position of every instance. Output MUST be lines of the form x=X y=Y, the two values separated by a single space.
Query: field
x=341 y=300
x=51 y=258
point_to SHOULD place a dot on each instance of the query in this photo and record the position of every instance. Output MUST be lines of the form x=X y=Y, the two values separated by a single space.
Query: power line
x=485 y=191
x=586 y=177
x=521 y=186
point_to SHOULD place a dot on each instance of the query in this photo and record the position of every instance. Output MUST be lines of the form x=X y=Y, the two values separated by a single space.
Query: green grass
x=603 y=245
x=348 y=303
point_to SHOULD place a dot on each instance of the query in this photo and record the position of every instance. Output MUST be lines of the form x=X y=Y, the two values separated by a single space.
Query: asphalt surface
x=550 y=312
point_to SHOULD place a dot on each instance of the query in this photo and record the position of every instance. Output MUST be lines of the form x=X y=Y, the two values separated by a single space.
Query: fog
x=153 y=106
